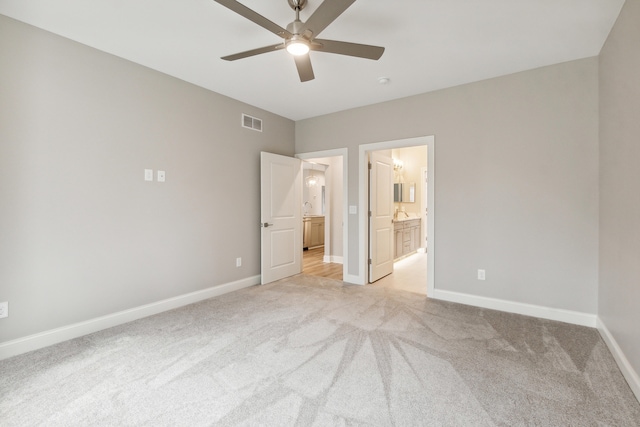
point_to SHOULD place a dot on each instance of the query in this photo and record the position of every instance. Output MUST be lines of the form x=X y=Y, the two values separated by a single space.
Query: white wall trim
x=632 y=377
x=336 y=259
x=567 y=316
x=64 y=333
x=353 y=279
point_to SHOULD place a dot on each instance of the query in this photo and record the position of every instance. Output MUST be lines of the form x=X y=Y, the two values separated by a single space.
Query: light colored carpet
x=312 y=351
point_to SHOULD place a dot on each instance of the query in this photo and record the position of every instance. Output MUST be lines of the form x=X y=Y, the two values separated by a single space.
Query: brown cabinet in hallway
x=313 y=231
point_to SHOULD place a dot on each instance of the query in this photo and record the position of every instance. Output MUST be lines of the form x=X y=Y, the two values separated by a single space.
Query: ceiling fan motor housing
x=295 y=26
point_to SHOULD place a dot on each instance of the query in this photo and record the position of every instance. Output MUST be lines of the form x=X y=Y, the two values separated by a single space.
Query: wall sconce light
x=397 y=165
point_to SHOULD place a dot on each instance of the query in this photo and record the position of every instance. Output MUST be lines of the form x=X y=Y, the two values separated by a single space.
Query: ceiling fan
x=300 y=37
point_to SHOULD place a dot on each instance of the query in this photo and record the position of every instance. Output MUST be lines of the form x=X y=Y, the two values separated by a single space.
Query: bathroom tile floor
x=409 y=274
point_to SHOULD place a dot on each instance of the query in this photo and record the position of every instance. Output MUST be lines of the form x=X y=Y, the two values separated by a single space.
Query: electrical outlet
x=161 y=176
x=481 y=275
x=4 y=309
x=238 y=262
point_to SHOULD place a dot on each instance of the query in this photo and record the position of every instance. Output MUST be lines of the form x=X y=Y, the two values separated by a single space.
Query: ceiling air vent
x=251 y=122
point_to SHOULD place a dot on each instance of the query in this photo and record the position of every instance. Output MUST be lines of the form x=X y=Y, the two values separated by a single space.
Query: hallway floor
x=313 y=265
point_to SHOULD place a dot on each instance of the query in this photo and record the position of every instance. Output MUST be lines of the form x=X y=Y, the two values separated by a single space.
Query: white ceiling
x=430 y=44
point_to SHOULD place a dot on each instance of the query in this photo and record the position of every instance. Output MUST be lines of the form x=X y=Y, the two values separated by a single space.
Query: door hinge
x=369 y=261
x=369 y=214
x=369 y=165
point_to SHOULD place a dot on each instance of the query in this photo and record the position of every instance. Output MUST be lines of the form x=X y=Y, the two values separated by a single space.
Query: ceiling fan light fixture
x=297 y=47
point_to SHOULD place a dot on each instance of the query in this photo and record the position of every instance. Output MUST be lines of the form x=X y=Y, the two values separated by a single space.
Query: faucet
x=401 y=211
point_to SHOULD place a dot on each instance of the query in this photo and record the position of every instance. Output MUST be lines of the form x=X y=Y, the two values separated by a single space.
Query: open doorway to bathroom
x=413 y=255
x=409 y=220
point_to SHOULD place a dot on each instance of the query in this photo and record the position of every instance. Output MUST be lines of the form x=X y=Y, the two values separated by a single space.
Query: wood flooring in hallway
x=313 y=265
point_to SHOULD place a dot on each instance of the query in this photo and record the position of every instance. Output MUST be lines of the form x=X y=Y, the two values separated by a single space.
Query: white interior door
x=281 y=216
x=381 y=236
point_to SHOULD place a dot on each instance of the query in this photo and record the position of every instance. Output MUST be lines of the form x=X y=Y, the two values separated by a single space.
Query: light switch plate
x=148 y=174
x=353 y=210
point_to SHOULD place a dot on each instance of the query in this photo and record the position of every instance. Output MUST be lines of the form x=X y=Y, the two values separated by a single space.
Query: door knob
x=266 y=225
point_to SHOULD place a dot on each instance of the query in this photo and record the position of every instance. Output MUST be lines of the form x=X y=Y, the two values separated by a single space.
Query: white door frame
x=424 y=206
x=339 y=152
x=363 y=191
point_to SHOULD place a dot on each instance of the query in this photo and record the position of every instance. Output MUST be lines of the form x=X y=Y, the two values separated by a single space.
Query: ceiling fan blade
x=253 y=52
x=346 y=48
x=305 y=70
x=325 y=14
x=255 y=17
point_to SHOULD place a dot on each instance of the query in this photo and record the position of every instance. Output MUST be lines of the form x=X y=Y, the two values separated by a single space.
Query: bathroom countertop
x=409 y=218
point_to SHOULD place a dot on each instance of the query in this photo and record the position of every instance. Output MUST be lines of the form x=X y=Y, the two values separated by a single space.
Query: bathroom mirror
x=404 y=192
x=411 y=190
x=397 y=192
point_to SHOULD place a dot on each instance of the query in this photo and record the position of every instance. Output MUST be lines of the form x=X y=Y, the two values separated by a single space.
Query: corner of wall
x=630 y=374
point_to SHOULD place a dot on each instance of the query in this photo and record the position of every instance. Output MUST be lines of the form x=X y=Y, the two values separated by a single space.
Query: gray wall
x=620 y=183
x=516 y=167
x=81 y=233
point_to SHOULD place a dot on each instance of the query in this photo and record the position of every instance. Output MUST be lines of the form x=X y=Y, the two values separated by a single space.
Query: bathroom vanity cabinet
x=407 y=236
x=312 y=231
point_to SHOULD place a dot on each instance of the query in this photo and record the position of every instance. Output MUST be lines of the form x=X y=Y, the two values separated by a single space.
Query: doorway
x=417 y=265
x=324 y=213
x=407 y=246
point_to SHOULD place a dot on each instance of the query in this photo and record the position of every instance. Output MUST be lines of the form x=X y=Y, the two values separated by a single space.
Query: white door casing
x=424 y=174
x=381 y=237
x=281 y=217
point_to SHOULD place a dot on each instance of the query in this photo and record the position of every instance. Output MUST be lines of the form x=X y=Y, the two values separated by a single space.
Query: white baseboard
x=567 y=316
x=627 y=370
x=353 y=279
x=332 y=259
x=64 y=333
